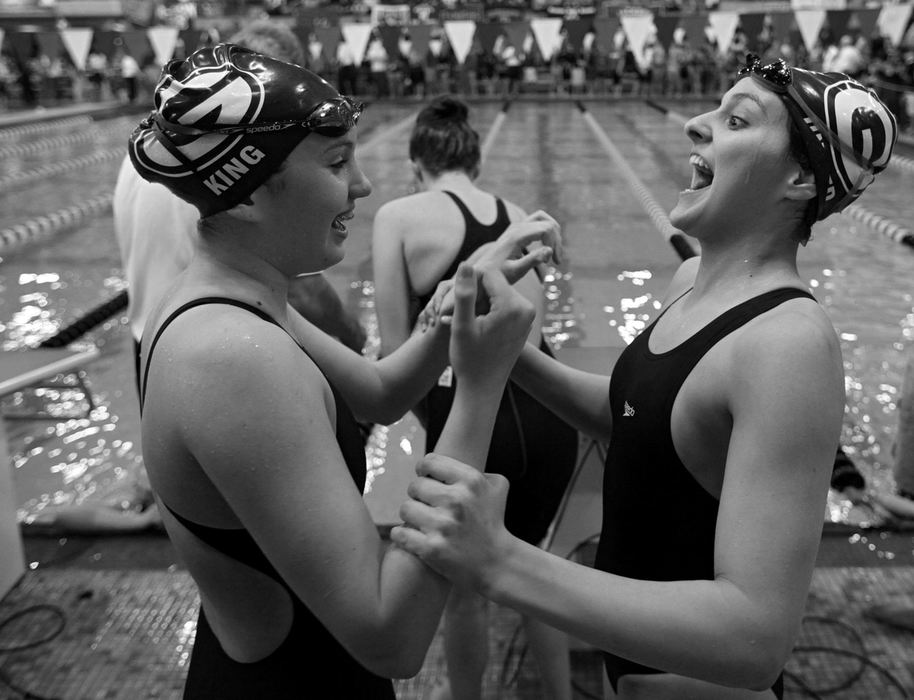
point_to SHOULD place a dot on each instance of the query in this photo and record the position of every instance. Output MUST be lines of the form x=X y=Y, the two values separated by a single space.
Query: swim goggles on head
x=776 y=74
x=331 y=118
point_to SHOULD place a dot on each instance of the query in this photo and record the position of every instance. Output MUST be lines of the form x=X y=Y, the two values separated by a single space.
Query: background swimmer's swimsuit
x=309 y=652
x=531 y=446
x=658 y=521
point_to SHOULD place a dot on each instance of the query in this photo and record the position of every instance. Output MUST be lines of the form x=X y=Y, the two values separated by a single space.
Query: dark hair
x=271 y=39
x=797 y=151
x=443 y=140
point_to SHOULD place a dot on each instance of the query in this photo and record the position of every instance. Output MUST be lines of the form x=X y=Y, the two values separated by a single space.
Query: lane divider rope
x=493 y=131
x=45 y=144
x=19 y=235
x=14 y=132
x=23 y=177
x=657 y=214
x=880 y=224
x=903 y=161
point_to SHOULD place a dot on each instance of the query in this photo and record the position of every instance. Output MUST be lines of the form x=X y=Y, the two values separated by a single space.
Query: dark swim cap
x=847 y=130
x=225 y=119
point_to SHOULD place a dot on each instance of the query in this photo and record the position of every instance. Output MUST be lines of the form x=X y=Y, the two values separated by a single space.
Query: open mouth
x=339 y=223
x=702 y=174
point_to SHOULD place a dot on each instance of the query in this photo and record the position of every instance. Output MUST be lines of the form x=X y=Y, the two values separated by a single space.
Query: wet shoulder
x=795 y=331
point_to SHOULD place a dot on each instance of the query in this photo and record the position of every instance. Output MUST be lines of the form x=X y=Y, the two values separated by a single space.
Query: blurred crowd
x=687 y=67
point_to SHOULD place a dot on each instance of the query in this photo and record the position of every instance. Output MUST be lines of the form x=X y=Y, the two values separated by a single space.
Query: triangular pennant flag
x=136 y=43
x=694 y=26
x=516 y=33
x=752 y=24
x=893 y=20
x=837 y=21
x=666 y=25
x=548 y=34
x=781 y=24
x=487 y=34
x=356 y=34
x=460 y=37
x=390 y=39
x=329 y=38
x=49 y=44
x=637 y=29
x=420 y=34
x=163 y=41
x=77 y=41
x=103 y=41
x=576 y=30
x=605 y=29
x=810 y=24
x=866 y=20
x=723 y=24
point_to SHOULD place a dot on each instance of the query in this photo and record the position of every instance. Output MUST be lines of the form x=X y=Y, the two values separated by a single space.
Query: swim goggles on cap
x=331 y=118
x=776 y=74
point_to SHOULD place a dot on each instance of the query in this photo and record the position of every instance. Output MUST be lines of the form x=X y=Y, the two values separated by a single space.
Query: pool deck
x=116 y=609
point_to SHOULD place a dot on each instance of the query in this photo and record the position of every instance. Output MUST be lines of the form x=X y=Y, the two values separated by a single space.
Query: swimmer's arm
x=580 y=398
x=280 y=469
x=787 y=403
x=391 y=280
x=315 y=298
x=379 y=391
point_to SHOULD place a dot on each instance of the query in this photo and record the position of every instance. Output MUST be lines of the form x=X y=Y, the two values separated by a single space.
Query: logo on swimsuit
x=627 y=411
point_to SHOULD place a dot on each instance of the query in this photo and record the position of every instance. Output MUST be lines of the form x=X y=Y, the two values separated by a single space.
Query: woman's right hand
x=483 y=348
x=524 y=244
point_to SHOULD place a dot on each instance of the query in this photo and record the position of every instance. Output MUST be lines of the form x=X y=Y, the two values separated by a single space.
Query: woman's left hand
x=508 y=254
x=454 y=520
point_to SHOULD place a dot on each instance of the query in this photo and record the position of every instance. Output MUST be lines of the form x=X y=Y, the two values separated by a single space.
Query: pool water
x=543 y=155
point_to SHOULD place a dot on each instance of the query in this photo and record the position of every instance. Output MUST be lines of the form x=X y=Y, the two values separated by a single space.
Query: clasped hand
x=454 y=521
x=523 y=245
x=455 y=516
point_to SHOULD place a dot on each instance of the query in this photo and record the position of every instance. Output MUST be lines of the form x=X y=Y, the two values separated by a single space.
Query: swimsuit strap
x=189 y=305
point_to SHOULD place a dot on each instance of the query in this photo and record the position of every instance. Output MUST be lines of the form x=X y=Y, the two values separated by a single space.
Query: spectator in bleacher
x=377 y=58
x=677 y=65
x=347 y=71
x=513 y=61
x=97 y=74
x=130 y=75
x=847 y=59
x=657 y=69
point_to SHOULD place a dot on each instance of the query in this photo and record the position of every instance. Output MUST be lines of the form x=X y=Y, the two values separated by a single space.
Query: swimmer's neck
x=454 y=180
x=239 y=269
x=741 y=272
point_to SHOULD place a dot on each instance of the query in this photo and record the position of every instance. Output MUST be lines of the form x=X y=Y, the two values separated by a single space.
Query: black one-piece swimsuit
x=658 y=521
x=310 y=662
